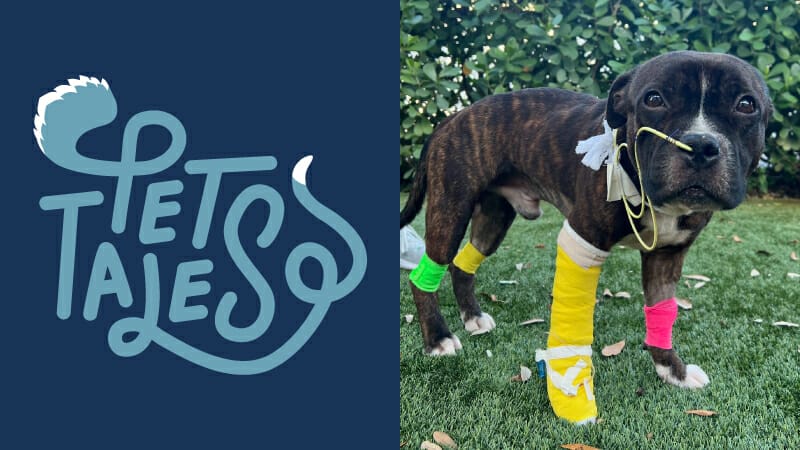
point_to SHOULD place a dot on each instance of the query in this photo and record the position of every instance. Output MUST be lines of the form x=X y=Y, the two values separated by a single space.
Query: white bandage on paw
x=579 y=249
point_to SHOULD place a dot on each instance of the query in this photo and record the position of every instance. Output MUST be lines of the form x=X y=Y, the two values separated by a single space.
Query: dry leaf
x=492 y=297
x=649 y=436
x=698 y=278
x=758 y=320
x=403 y=444
x=428 y=445
x=622 y=294
x=539 y=246
x=607 y=293
x=523 y=375
x=480 y=331
x=519 y=266
x=532 y=321
x=755 y=273
x=409 y=318
x=508 y=282
x=701 y=412
x=688 y=285
x=489 y=353
x=737 y=239
x=684 y=303
x=579 y=447
x=699 y=284
x=444 y=439
x=793 y=275
x=599 y=421
x=785 y=324
x=793 y=256
x=613 y=349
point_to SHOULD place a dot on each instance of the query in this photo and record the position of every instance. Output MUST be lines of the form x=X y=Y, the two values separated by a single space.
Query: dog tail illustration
x=418 y=187
x=66 y=113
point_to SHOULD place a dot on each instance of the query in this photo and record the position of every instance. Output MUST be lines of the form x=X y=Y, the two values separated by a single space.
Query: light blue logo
x=70 y=111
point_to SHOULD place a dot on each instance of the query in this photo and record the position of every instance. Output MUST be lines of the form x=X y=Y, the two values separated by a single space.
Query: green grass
x=754 y=367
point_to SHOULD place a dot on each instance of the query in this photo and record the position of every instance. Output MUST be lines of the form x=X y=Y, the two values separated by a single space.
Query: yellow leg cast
x=568 y=357
x=469 y=259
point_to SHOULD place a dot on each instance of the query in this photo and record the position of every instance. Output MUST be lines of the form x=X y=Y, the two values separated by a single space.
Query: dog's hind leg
x=446 y=220
x=491 y=219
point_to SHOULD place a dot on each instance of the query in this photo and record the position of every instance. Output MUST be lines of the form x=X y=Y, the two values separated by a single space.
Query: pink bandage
x=658 y=319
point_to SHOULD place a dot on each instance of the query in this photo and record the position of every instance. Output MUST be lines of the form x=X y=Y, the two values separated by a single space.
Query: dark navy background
x=288 y=80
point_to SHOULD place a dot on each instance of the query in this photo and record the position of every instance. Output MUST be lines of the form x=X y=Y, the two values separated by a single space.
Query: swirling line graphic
x=84 y=104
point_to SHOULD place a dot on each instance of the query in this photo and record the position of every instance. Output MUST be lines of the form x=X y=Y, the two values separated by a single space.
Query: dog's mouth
x=695 y=198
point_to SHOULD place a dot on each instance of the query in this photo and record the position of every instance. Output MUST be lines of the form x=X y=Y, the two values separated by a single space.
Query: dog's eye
x=746 y=105
x=653 y=99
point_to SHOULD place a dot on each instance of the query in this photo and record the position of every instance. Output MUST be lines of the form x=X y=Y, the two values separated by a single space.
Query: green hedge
x=455 y=52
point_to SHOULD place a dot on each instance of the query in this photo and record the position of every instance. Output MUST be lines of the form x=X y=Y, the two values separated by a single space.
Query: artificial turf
x=754 y=367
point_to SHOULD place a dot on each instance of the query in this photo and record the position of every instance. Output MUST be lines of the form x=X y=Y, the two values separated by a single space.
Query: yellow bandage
x=468 y=259
x=570 y=386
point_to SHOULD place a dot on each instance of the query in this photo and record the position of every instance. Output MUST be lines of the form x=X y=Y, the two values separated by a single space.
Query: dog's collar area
x=645 y=199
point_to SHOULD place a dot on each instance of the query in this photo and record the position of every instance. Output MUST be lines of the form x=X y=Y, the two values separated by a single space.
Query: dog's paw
x=447 y=346
x=695 y=377
x=483 y=323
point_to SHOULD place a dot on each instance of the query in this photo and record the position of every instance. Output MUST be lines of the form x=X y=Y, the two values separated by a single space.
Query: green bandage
x=427 y=276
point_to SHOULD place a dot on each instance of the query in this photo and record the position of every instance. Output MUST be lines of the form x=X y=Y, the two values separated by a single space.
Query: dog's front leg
x=661 y=271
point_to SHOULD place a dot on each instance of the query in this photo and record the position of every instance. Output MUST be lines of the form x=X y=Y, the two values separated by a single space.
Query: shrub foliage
x=455 y=52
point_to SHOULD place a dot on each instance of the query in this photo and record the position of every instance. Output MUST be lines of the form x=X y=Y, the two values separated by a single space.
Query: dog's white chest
x=668 y=231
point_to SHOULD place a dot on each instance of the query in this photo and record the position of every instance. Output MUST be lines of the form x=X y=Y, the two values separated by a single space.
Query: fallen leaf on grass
x=613 y=349
x=649 y=436
x=519 y=266
x=508 y=282
x=754 y=273
x=793 y=275
x=758 y=320
x=492 y=297
x=701 y=412
x=489 y=353
x=579 y=447
x=403 y=444
x=539 y=246
x=428 y=445
x=793 y=256
x=409 y=318
x=684 y=303
x=622 y=294
x=444 y=439
x=607 y=293
x=523 y=375
x=699 y=284
x=737 y=239
x=785 y=324
x=698 y=278
x=532 y=321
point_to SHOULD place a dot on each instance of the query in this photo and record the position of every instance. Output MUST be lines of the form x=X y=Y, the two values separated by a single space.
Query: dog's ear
x=618 y=104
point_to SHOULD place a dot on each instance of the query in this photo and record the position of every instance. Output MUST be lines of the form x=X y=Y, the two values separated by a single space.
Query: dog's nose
x=705 y=148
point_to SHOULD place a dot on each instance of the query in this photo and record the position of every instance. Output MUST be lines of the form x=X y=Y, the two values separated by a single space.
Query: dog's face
x=717 y=104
